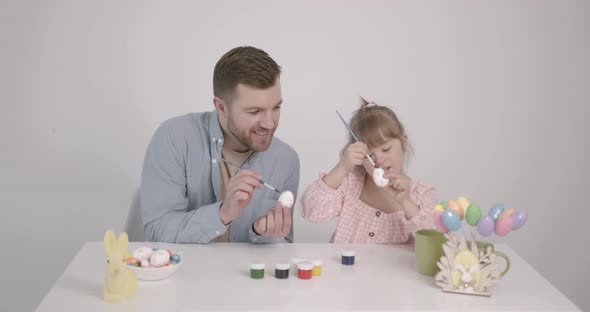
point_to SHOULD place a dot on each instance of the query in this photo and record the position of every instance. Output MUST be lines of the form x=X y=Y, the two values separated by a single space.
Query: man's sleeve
x=164 y=201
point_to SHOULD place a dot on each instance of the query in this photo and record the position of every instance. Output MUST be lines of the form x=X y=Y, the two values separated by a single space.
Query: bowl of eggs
x=153 y=264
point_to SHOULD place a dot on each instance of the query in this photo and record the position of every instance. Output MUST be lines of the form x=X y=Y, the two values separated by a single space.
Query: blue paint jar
x=348 y=257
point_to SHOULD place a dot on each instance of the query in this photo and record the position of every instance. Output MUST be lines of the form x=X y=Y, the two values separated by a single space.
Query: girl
x=368 y=213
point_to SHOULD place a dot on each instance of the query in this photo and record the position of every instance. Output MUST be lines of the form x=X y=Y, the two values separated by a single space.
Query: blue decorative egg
x=175 y=258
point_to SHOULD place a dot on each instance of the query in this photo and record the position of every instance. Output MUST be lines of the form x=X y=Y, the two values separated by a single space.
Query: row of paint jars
x=305 y=269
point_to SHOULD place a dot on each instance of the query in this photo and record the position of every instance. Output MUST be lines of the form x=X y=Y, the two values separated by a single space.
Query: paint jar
x=257 y=270
x=304 y=270
x=317 y=267
x=282 y=270
x=348 y=257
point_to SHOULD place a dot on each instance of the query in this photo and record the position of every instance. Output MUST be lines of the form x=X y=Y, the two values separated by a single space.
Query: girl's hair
x=374 y=125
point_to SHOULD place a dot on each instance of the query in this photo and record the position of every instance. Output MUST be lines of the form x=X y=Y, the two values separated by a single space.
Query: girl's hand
x=399 y=187
x=398 y=181
x=353 y=156
x=399 y=184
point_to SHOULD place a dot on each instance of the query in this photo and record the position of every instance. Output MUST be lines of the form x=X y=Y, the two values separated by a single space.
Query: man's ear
x=220 y=106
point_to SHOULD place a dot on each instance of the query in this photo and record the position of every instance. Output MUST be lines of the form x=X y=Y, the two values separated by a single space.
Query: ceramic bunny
x=120 y=281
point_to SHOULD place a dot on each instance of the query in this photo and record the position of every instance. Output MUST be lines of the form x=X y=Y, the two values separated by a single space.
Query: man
x=190 y=191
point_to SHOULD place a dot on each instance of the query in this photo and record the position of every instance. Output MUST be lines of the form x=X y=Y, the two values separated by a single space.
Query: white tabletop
x=216 y=277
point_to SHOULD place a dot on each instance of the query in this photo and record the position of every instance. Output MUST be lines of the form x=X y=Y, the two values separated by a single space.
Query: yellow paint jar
x=317 y=267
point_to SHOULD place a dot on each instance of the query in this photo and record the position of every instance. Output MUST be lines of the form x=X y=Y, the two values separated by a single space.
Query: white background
x=493 y=94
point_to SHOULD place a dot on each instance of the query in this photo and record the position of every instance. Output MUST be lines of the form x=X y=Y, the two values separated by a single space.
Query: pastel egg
x=485 y=226
x=143 y=253
x=160 y=258
x=463 y=202
x=456 y=208
x=175 y=258
x=451 y=220
x=438 y=222
x=145 y=263
x=496 y=211
x=507 y=213
x=519 y=219
x=503 y=226
x=473 y=214
x=439 y=208
x=132 y=262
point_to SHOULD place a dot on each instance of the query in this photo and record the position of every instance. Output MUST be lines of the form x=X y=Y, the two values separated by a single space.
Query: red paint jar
x=304 y=270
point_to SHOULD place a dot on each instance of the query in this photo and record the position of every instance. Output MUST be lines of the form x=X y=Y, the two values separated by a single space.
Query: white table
x=216 y=277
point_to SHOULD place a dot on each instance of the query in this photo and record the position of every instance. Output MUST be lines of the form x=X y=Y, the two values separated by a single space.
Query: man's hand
x=276 y=223
x=238 y=194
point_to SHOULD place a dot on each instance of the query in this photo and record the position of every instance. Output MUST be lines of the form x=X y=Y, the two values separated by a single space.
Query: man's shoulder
x=188 y=126
x=190 y=120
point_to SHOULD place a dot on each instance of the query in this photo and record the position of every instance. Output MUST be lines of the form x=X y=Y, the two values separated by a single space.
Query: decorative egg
x=160 y=257
x=496 y=211
x=463 y=202
x=378 y=178
x=451 y=220
x=145 y=263
x=503 y=226
x=286 y=199
x=519 y=219
x=473 y=214
x=485 y=226
x=143 y=253
x=132 y=262
x=175 y=258
x=438 y=222
x=507 y=213
x=456 y=208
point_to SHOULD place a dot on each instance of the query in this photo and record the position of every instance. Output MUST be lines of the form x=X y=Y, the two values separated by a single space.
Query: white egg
x=143 y=253
x=145 y=263
x=286 y=199
x=160 y=258
x=378 y=178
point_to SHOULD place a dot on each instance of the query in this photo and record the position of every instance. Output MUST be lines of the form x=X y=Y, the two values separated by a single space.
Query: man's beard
x=246 y=139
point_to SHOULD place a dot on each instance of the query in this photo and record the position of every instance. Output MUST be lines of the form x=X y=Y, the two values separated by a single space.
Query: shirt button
x=371 y=234
x=220 y=141
x=212 y=139
x=378 y=213
x=214 y=160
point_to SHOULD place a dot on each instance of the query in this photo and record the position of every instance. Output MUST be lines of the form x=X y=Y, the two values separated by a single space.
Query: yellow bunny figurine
x=120 y=281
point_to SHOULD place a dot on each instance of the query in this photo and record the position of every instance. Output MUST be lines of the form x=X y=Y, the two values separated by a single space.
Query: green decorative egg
x=473 y=214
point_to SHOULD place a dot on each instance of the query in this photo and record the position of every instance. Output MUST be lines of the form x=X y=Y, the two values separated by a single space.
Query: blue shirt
x=181 y=179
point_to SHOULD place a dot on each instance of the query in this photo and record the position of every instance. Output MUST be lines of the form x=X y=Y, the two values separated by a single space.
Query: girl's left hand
x=399 y=186
x=398 y=181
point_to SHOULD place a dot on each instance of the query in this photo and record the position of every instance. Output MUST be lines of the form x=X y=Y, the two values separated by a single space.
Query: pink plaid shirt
x=359 y=222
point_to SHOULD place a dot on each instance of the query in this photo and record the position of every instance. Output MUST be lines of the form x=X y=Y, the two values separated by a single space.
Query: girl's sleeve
x=425 y=197
x=321 y=203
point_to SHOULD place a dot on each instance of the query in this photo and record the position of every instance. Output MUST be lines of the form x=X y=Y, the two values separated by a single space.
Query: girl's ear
x=404 y=142
x=110 y=242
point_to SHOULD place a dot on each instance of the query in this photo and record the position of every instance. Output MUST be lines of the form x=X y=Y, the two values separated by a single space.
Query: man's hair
x=246 y=65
